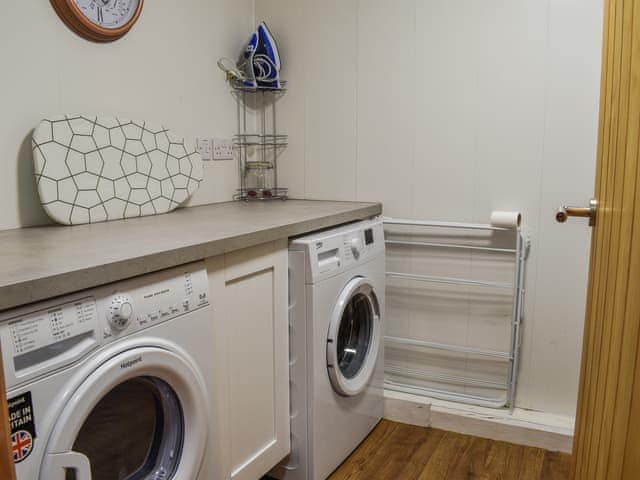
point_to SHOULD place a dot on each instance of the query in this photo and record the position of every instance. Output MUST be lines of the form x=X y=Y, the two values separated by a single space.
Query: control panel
x=335 y=250
x=49 y=335
x=44 y=328
x=141 y=305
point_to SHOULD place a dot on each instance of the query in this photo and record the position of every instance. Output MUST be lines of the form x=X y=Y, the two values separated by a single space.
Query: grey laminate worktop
x=44 y=262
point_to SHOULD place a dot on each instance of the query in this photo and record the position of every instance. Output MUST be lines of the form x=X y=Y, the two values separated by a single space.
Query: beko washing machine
x=337 y=296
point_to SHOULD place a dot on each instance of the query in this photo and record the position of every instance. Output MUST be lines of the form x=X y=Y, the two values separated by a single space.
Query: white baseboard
x=407 y=411
x=522 y=427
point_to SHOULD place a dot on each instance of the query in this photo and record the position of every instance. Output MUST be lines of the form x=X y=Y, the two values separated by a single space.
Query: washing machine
x=113 y=382
x=337 y=296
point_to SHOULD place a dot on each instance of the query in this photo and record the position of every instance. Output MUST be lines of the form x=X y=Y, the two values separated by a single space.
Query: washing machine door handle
x=61 y=462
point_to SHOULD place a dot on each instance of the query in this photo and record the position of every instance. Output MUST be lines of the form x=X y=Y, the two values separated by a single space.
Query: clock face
x=110 y=14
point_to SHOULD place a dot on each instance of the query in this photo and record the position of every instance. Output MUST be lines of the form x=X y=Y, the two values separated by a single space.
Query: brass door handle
x=589 y=212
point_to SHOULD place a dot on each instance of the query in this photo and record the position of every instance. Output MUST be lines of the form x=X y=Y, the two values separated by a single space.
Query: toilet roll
x=506 y=219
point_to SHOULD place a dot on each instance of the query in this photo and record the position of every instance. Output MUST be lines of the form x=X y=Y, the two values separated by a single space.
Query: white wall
x=440 y=109
x=164 y=70
x=447 y=110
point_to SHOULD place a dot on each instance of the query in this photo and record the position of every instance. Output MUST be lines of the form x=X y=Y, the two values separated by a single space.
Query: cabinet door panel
x=252 y=326
x=252 y=366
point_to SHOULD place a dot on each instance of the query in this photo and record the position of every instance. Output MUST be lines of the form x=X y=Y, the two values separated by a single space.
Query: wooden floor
x=395 y=451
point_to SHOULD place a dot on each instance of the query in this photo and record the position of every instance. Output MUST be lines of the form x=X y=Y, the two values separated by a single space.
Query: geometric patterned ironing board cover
x=94 y=169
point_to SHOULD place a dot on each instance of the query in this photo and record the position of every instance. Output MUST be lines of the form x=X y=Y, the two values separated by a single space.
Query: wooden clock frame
x=76 y=21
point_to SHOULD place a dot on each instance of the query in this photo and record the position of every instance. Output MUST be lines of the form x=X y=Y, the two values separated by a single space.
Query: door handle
x=59 y=463
x=589 y=212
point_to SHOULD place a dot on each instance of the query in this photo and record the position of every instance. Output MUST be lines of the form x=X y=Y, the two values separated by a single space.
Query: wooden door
x=6 y=460
x=607 y=440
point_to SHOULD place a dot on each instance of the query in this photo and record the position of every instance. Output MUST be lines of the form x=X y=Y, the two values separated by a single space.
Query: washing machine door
x=141 y=415
x=353 y=339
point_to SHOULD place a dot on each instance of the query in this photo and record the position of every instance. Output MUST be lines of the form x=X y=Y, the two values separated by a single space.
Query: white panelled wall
x=442 y=110
x=164 y=71
x=447 y=110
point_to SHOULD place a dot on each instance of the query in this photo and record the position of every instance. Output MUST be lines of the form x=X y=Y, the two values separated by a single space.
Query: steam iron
x=266 y=63
x=245 y=63
x=259 y=63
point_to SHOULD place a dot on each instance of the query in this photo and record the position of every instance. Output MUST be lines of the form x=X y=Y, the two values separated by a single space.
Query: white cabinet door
x=249 y=297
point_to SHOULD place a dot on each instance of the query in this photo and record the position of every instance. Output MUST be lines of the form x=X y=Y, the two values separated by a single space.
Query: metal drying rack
x=519 y=251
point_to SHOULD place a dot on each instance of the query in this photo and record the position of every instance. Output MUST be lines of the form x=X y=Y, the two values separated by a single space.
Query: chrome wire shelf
x=257 y=144
x=239 y=87
x=257 y=140
x=264 y=194
x=512 y=357
x=259 y=165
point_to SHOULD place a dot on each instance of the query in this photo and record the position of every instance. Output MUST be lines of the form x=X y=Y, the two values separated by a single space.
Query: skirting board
x=523 y=427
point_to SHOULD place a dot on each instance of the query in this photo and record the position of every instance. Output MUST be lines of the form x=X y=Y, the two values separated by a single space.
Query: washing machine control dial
x=120 y=312
x=356 y=247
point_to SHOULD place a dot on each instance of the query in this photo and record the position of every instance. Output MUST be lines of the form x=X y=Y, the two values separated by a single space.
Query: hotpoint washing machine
x=113 y=382
x=337 y=296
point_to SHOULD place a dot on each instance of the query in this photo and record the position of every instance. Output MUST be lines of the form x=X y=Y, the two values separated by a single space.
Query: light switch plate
x=204 y=148
x=222 y=149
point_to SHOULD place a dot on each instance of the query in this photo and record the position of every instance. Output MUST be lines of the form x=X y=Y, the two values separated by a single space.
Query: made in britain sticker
x=23 y=426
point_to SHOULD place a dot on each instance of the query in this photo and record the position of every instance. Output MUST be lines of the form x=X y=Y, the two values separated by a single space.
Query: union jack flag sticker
x=21 y=445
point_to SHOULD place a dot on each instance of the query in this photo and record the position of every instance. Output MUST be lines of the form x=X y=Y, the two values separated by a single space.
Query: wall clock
x=99 y=20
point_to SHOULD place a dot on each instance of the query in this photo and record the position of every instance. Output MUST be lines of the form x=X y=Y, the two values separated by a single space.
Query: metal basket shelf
x=265 y=194
x=242 y=88
x=259 y=140
x=258 y=144
x=259 y=166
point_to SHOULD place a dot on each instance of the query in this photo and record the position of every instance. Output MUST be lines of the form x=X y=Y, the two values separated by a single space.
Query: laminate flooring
x=395 y=451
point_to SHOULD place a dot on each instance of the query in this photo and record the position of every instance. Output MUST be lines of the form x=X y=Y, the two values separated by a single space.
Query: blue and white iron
x=259 y=63
x=266 y=62
x=245 y=62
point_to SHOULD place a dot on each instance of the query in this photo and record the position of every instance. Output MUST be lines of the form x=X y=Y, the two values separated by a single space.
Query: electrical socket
x=222 y=148
x=204 y=148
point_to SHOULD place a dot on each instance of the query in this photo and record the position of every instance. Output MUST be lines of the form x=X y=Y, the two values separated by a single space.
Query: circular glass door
x=140 y=415
x=353 y=338
x=134 y=432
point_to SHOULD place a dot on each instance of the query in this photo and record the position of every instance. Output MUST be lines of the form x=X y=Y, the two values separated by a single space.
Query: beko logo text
x=131 y=363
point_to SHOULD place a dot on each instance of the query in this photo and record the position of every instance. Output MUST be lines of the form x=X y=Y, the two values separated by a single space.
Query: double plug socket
x=215 y=148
